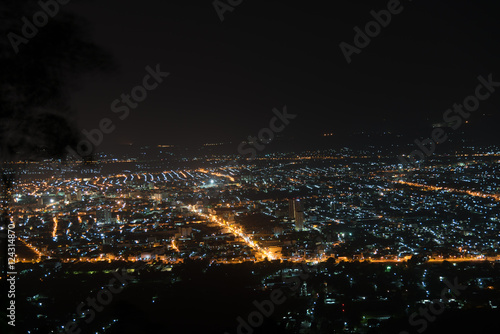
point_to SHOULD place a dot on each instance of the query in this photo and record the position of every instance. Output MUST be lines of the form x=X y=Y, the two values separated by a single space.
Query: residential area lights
x=468 y=192
x=230 y=178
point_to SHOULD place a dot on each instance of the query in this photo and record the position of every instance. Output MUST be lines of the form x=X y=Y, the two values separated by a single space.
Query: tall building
x=278 y=231
x=296 y=211
x=79 y=195
x=299 y=220
x=185 y=231
x=291 y=208
x=104 y=216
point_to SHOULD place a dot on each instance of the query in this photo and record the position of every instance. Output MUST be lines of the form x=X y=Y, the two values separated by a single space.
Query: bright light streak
x=238 y=232
x=55 y=227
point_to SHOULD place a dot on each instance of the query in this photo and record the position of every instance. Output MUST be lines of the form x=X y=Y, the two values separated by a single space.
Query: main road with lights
x=236 y=231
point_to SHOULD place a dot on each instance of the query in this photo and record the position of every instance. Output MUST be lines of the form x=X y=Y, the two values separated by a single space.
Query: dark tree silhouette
x=36 y=121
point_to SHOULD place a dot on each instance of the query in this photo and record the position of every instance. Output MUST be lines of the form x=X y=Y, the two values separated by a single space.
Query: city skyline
x=246 y=167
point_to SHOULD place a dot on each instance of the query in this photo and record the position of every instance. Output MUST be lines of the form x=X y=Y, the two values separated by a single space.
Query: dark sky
x=226 y=77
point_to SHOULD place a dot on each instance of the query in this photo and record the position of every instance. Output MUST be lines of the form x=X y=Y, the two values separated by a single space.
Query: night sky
x=226 y=77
